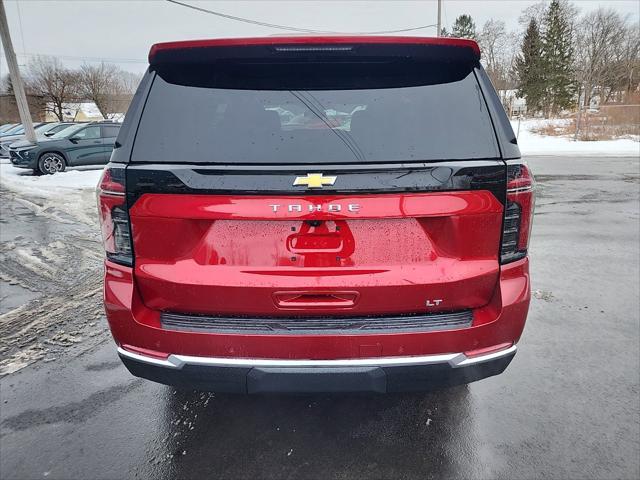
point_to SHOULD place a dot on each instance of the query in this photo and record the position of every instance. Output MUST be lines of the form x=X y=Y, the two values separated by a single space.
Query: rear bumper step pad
x=319 y=325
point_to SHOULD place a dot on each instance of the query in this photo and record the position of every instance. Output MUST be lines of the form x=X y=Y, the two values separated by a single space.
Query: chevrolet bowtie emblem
x=314 y=180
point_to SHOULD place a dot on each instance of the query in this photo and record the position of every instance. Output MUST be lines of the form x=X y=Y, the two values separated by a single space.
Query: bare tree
x=626 y=68
x=129 y=82
x=54 y=83
x=597 y=31
x=108 y=86
x=491 y=40
x=607 y=54
x=100 y=84
x=536 y=12
x=499 y=51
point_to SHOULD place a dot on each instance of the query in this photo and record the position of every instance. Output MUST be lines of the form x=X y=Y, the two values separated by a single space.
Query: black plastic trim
x=126 y=136
x=318 y=325
x=507 y=141
x=352 y=179
x=273 y=53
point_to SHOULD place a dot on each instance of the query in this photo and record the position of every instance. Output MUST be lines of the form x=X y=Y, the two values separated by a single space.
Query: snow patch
x=534 y=144
x=21 y=180
x=70 y=192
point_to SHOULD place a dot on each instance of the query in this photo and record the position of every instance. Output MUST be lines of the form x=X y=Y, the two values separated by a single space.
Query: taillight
x=518 y=212
x=114 y=216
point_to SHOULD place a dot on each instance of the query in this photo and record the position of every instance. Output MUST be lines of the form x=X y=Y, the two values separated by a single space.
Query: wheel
x=50 y=163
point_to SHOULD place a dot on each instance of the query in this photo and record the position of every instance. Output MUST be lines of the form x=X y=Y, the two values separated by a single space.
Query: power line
x=80 y=58
x=204 y=10
x=289 y=28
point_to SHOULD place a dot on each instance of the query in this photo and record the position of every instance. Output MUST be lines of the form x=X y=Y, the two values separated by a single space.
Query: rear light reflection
x=518 y=213
x=114 y=216
x=487 y=350
x=145 y=351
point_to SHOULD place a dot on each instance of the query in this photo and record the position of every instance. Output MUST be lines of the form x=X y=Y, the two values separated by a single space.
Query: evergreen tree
x=464 y=27
x=444 y=32
x=557 y=58
x=530 y=69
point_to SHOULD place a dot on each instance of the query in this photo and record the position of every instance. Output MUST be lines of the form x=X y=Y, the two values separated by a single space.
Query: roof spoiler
x=274 y=48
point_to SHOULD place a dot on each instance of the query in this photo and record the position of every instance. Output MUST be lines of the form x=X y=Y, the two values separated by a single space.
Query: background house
x=513 y=104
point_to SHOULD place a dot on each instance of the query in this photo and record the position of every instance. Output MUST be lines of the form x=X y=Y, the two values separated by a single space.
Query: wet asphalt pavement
x=567 y=407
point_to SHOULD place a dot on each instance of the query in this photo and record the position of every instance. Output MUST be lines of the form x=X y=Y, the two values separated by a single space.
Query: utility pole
x=439 y=18
x=16 y=79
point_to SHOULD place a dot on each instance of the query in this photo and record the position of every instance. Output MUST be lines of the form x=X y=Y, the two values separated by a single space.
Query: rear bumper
x=379 y=375
x=388 y=361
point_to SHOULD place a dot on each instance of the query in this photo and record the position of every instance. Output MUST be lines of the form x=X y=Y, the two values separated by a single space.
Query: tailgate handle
x=315 y=299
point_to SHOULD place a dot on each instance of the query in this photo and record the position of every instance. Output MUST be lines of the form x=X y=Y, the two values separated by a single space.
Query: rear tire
x=50 y=163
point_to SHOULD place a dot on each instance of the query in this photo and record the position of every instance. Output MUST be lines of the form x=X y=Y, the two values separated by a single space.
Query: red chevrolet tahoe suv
x=316 y=214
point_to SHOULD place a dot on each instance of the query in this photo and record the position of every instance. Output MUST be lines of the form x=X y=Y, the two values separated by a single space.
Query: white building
x=75 y=112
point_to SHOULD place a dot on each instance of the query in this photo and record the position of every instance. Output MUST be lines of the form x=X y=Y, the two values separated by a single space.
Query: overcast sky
x=122 y=31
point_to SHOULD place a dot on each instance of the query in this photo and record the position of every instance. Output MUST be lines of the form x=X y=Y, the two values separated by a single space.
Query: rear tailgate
x=288 y=255
x=289 y=181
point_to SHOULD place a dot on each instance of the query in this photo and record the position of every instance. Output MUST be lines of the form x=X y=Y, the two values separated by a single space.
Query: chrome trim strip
x=150 y=360
x=466 y=361
x=455 y=360
x=111 y=192
x=528 y=188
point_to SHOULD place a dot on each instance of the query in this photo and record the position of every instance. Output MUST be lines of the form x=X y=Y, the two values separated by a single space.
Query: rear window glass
x=444 y=118
x=57 y=128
